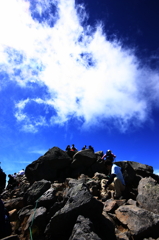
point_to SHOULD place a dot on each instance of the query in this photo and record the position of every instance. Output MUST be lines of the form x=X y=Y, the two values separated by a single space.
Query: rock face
x=148 y=194
x=59 y=197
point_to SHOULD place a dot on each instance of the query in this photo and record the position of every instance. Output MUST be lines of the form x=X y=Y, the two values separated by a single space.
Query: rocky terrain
x=59 y=198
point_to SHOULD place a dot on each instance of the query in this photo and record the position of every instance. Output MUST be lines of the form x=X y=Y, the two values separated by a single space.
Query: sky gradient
x=82 y=72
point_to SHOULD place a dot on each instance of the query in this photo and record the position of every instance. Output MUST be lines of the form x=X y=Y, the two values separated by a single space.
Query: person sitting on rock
x=73 y=149
x=84 y=147
x=68 y=148
x=91 y=148
x=115 y=182
x=109 y=156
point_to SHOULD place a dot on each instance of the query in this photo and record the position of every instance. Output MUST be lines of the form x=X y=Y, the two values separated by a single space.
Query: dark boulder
x=48 y=166
x=82 y=161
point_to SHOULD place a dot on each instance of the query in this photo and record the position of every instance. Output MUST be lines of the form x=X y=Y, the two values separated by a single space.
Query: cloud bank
x=88 y=78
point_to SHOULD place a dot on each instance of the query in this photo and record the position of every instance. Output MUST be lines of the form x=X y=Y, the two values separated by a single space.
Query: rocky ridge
x=59 y=198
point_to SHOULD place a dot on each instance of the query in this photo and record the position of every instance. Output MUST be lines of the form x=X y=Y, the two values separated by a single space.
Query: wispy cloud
x=87 y=77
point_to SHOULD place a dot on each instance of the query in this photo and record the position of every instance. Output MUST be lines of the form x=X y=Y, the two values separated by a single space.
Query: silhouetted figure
x=109 y=156
x=12 y=182
x=68 y=148
x=84 y=147
x=73 y=148
x=91 y=148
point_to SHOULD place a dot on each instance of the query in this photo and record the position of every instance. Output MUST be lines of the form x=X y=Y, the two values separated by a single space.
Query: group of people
x=74 y=149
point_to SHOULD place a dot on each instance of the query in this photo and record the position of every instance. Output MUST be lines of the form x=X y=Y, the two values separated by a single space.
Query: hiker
x=115 y=182
x=91 y=148
x=68 y=148
x=84 y=147
x=109 y=156
x=73 y=149
x=12 y=182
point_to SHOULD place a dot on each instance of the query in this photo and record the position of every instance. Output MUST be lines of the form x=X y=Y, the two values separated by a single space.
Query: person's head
x=108 y=152
x=108 y=164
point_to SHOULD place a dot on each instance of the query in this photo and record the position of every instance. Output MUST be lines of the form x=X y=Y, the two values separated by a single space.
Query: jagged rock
x=80 y=202
x=26 y=211
x=148 y=194
x=15 y=203
x=37 y=222
x=52 y=161
x=140 y=222
x=48 y=198
x=36 y=190
x=83 y=229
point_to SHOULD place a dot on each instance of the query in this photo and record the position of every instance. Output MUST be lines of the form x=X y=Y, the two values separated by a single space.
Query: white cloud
x=87 y=76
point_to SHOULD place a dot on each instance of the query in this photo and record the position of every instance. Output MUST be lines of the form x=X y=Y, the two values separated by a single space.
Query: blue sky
x=82 y=72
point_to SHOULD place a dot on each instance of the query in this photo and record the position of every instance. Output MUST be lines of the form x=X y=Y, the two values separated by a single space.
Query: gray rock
x=148 y=194
x=37 y=222
x=36 y=190
x=140 y=222
x=83 y=229
x=48 y=198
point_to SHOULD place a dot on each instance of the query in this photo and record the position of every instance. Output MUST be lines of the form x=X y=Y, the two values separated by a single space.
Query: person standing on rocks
x=115 y=182
x=68 y=148
x=109 y=156
x=91 y=148
x=73 y=148
x=84 y=147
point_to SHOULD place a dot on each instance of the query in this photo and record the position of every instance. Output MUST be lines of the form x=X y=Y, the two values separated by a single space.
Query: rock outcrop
x=59 y=198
